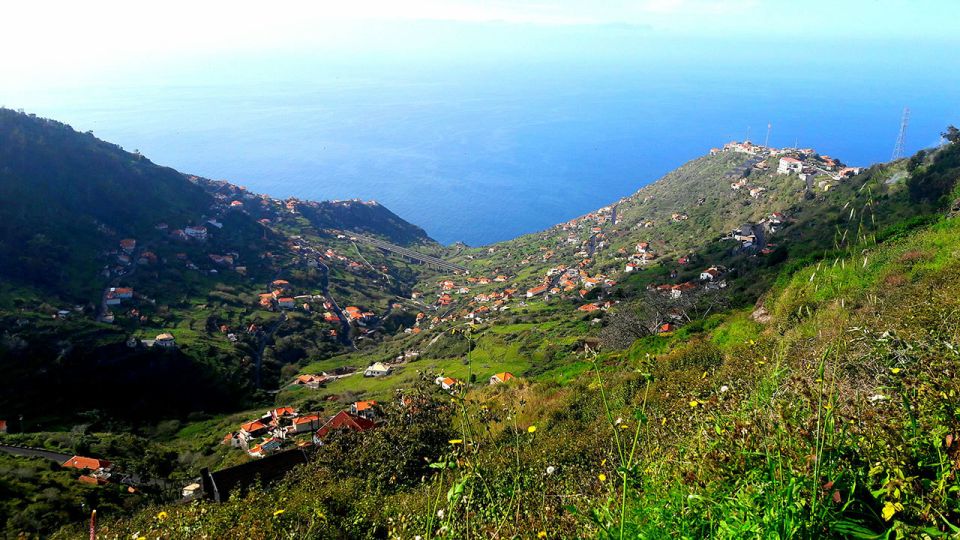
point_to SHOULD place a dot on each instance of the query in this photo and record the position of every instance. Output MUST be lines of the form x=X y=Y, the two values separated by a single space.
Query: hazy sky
x=45 y=42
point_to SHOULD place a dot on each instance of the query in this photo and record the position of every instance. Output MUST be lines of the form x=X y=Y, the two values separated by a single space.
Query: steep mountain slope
x=101 y=251
x=61 y=191
x=689 y=365
x=829 y=410
x=365 y=217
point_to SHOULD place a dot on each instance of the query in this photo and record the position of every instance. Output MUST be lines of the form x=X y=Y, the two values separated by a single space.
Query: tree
x=952 y=134
x=654 y=309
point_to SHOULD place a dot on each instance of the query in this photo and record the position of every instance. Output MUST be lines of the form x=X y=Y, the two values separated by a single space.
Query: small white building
x=709 y=274
x=378 y=369
x=789 y=165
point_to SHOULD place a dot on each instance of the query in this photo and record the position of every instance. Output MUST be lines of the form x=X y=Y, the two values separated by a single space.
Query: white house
x=709 y=274
x=379 y=369
x=789 y=165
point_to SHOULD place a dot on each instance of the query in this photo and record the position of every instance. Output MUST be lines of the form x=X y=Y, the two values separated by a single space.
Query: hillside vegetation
x=729 y=352
x=827 y=409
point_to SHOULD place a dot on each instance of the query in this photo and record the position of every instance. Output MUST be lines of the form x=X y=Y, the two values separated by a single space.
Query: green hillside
x=69 y=200
x=802 y=388
x=828 y=410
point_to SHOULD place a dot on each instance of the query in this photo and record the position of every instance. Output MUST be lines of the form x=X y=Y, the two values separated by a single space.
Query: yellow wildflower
x=162 y=516
x=278 y=512
x=664 y=421
x=531 y=429
x=602 y=477
x=888 y=511
x=694 y=403
x=456 y=441
x=542 y=534
x=895 y=370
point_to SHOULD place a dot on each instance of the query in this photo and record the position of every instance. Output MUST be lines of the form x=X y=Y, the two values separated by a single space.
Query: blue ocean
x=482 y=152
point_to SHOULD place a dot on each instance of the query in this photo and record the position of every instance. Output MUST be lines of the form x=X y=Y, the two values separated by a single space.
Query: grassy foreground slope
x=830 y=410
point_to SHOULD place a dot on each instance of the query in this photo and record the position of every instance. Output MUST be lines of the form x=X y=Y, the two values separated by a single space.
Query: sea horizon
x=486 y=153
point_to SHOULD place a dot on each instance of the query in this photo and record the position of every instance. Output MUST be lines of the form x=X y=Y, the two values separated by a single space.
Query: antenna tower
x=766 y=142
x=898 y=148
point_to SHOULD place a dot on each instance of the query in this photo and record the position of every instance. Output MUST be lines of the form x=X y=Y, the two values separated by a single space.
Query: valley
x=693 y=344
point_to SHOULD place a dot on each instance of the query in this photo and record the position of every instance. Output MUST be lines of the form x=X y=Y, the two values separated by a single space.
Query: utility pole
x=898 y=147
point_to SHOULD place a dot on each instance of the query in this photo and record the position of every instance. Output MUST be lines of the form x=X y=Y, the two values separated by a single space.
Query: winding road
x=409 y=253
x=27 y=451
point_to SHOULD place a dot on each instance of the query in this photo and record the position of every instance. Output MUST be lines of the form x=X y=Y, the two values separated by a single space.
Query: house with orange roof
x=366 y=409
x=343 y=421
x=303 y=424
x=589 y=283
x=87 y=463
x=789 y=165
x=501 y=377
x=536 y=291
x=448 y=383
x=709 y=274
x=128 y=245
x=677 y=290
x=310 y=381
x=588 y=308
x=253 y=429
x=283 y=412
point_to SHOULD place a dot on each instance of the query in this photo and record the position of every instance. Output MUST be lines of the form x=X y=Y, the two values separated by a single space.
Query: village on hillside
x=578 y=264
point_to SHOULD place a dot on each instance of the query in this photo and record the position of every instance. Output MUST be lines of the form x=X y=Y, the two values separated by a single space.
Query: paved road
x=428 y=259
x=344 y=334
x=27 y=451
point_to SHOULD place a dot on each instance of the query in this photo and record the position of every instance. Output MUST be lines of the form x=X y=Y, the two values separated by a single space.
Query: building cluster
x=282 y=427
x=643 y=254
x=94 y=471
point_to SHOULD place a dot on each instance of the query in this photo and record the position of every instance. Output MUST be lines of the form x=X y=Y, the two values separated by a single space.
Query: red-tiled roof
x=364 y=405
x=80 y=462
x=345 y=420
x=250 y=427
